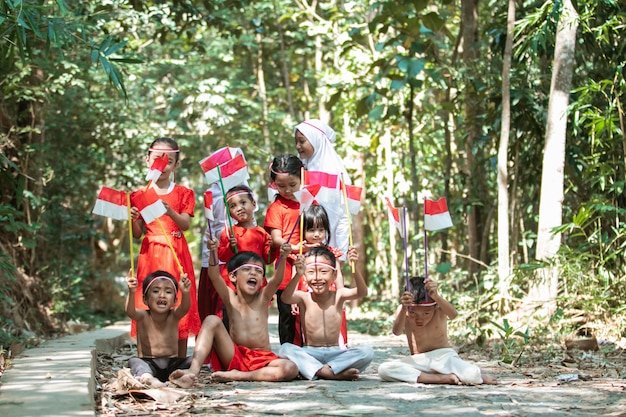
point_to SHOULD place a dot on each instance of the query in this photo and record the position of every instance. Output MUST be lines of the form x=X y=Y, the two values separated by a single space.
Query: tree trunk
x=544 y=288
x=504 y=267
x=392 y=289
x=263 y=92
x=472 y=127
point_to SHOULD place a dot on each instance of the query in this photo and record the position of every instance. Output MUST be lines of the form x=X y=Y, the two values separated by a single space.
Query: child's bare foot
x=449 y=379
x=489 y=379
x=183 y=378
x=229 y=376
x=150 y=381
x=350 y=374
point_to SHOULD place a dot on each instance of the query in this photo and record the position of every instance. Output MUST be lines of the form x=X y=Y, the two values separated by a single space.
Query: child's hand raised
x=406 y=299
x=211 y=243
x=431 y=287
x=285 y=249
x=184 y=284
x=132 y=282
x=300 y=266
x=353 y=254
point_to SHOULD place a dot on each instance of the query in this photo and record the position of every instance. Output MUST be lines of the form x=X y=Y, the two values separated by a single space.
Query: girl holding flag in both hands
x=164 y=246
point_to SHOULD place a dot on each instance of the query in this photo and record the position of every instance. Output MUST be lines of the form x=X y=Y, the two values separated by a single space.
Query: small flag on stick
x=328 y=194
x=208 y=205
x=149 y=205
x=306 y=196
x=158 y=165
x=111 y=203
x=436 y=214
x=353 y=198
x=394 y=217
x=233 y=170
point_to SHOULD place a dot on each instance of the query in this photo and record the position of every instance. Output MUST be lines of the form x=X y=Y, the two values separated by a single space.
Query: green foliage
x=513 y=342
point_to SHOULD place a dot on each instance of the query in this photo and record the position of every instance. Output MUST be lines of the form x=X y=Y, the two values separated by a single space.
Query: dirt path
x=521 y=392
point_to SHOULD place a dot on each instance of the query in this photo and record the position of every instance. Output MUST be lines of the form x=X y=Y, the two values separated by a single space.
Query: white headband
x=160 y=277
x=322 y=264
x=247 y=265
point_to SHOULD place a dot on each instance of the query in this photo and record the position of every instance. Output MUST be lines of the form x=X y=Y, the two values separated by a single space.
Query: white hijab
x=322 y=138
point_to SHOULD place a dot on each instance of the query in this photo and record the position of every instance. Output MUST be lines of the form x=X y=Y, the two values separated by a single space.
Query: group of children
x=229 y=316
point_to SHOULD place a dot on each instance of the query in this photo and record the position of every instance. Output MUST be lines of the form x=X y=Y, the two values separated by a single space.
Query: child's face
x=315 y=235
x=287 y=184
x=421 y=315
x=241 y=206
x=248 y=278
x=161 y=296
x=303 y=146
x=319 y=274
x=171 y=164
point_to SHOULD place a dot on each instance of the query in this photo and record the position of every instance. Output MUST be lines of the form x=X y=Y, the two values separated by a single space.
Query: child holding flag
x=209 y=302
x=321 y=314
x=281 y=221
x=423 y=316
x=314 y=142
x=245 y=235
x=164 y=246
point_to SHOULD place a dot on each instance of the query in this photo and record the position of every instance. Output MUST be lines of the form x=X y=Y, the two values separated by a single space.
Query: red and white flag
x=436 y=214
x=396 y=217
x=231 y=167
x=149 y=205
x=306 y=196
x=111 y=203
x=272 y=192
x=353 y=195
x=329 y=194
x=158 y=165
x=208 y=205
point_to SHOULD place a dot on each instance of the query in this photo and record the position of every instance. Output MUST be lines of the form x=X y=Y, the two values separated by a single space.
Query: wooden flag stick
x=345 y=198
x=130 y=236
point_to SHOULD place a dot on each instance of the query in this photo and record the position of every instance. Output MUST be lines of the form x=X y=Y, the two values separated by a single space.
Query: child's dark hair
x=158 y=275
x=243 y=258
x=322 y=251
x=167 y=141
x=416 y=288
x=241 y=189
x=285 y=164
x=316 y=216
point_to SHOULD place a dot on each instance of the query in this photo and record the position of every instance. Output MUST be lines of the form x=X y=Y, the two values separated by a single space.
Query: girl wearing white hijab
x=315 y=146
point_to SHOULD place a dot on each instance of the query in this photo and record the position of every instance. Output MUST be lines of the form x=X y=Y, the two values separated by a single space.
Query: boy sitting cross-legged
x=321 y=315
x=423 y=315
x=244 y=354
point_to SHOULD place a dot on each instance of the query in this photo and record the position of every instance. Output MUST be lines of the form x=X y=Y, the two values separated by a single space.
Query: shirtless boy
x=245 y=354
x=320 y=314
x=157 y=327
x=423 y=316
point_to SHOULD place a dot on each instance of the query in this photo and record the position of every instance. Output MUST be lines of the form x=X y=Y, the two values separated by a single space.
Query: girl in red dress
x=281 y=219
x=156 y=252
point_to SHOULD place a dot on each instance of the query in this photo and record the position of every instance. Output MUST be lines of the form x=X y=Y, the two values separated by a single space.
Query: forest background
x=512 y=110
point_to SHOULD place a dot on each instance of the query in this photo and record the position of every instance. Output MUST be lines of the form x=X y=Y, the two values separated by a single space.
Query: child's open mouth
x=252 y=282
